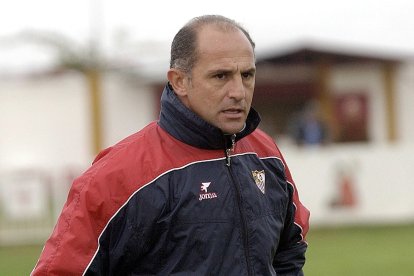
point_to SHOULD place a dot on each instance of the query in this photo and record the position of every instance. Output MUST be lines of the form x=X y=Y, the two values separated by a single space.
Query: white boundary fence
x=30 y=201
x=355 y=184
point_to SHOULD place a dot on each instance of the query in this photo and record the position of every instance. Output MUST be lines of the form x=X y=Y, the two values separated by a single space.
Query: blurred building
x=45 y=118
x=360 y=96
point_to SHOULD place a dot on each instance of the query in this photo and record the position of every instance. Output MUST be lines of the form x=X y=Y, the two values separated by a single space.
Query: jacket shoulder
x=127 y=143
x=261 y=143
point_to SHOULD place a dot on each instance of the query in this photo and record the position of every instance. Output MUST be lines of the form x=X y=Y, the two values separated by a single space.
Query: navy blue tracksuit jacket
x=181 y=198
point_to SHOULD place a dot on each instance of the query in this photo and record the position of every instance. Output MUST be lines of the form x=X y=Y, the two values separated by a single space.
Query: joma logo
x=204 y=194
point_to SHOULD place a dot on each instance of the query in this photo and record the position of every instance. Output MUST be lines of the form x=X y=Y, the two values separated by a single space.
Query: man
x=200 y=192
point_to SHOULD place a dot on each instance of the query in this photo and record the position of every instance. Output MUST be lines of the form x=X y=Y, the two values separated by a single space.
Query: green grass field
x=361 y=251
x=356 y=251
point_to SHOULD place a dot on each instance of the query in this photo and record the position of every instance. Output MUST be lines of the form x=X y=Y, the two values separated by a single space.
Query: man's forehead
x=212 y=37
x=234 y=63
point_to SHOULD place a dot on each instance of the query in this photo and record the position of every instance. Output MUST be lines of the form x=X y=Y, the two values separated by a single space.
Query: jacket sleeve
x=74 y=239
x=290 y=255
x=79 y=242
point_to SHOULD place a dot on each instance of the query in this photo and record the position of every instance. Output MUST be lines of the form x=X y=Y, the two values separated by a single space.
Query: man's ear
x=178 y=81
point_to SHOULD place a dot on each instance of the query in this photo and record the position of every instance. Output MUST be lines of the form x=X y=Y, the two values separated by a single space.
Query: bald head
x=184 y=46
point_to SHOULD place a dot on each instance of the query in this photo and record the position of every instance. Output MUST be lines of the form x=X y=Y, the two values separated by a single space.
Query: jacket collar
x=188 y=127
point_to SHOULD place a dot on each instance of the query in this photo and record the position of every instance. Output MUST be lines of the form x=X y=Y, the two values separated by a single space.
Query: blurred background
x=335 y=88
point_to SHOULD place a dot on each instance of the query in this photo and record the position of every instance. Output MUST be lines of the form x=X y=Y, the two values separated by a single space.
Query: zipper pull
x=228 y=157
x=233 y=143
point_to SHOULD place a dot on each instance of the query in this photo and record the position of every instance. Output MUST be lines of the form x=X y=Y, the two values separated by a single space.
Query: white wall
x=381 y=176
x=405 y=103
x=45 y=121
x=42 y=121
x=127 y=108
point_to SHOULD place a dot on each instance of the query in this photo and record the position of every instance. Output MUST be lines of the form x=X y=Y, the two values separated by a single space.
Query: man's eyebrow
x=221 y=71
x=251 y=70
x=227 y=70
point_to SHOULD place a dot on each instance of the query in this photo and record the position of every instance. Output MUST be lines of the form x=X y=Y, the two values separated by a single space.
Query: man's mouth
x=233 y=112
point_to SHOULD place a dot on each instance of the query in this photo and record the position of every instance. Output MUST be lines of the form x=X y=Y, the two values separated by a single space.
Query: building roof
x=308 y=52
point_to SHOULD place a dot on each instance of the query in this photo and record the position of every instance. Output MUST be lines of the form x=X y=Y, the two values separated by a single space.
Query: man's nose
x=237 y=89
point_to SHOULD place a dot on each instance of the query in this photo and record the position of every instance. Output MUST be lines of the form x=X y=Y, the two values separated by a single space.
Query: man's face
x=222 y=81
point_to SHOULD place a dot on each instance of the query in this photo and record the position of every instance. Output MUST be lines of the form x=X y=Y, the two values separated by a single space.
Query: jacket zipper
x=245 y=237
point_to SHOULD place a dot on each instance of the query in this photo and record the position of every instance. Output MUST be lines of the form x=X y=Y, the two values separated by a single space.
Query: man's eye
x=220 y=76
x=247 y=75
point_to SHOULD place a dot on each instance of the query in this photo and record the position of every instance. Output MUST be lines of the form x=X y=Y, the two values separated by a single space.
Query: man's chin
x=234 y=129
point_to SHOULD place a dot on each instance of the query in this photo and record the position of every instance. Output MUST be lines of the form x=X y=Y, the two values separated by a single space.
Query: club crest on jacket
x=259 y=179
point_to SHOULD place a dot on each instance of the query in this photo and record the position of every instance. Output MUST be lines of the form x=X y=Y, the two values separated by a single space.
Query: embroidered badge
x=259 y=179
x=204 y=194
